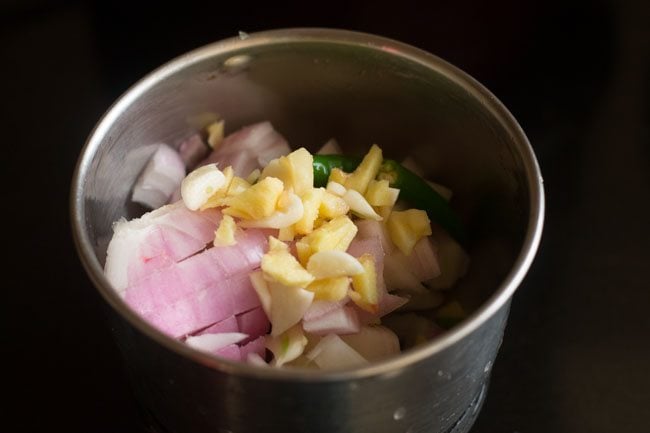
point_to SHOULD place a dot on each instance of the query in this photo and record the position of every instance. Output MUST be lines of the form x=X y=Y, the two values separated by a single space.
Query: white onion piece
x=341 y=321
x=249 y=148
x=373 y=342
x=444 y=191
x=410 y=164
x=121 y=252
x=398 y=275
x=421 y=301
x=242 y=163
x=192 y=151
x=277 y=149
x=424 y=260
x=453 y=261
x=390 y=302
x=332 y=352
x=176 y=196
x=370 y=229
x=287 y=346
x=412 y=329
x=330 y=148
x=288 y=306
x=160 y=178
x=214 y=342
x=262 y=289
x=256 y=359
x=152 y=194
x=320 y=308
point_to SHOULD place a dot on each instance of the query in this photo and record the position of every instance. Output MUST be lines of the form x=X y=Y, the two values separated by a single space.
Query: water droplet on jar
x=236 y=63
x=488 y=366
x=399 y=413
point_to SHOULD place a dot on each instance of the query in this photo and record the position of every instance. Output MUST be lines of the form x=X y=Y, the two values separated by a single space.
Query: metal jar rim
x=391 y=365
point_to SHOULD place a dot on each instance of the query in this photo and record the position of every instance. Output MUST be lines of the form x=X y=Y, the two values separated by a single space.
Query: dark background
x=576 y=354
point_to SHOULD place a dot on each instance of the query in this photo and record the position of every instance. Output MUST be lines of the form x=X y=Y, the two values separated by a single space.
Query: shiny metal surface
x=314 y=84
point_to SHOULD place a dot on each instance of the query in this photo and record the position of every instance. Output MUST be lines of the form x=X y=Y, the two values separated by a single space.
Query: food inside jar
x=284 y=258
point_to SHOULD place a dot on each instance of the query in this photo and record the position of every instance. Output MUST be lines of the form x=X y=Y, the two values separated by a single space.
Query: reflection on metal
x=237 y=63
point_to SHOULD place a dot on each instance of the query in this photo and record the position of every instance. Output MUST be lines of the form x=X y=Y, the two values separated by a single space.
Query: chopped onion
x=192 y=151
x=398 y=274
x=288 y=346
x=341 y=321
x=373 y=342
x=331 y=147
x=288 y=306
x=332 y=352
x=424 y=260
x=161 y=176
x=320 y=308
x=214 y=342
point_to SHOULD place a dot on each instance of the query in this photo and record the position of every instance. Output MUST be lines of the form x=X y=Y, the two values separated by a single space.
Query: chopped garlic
x=237 y=186
x=380 y=194
x=253 y=176
x=330 y=264
x=360 y=206
x=311 y=201
x=281 y=266
x=336 y=188
x=330 y=289
x=225 y=234
x=407 y=227
x=215 y=133
x=257 y=202
x=339 y=176
x=333 y=235
x=365 y=293
x=287 y=234
x=200 y=185
x=332 y=206
x=294 y=170
x=302 y=164
x=366 y=171
x=277 y=245
x=217 y=198
x=289 y=212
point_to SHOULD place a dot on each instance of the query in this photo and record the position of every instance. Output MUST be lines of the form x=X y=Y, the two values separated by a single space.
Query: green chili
x=323 y=165
x=412 y=188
